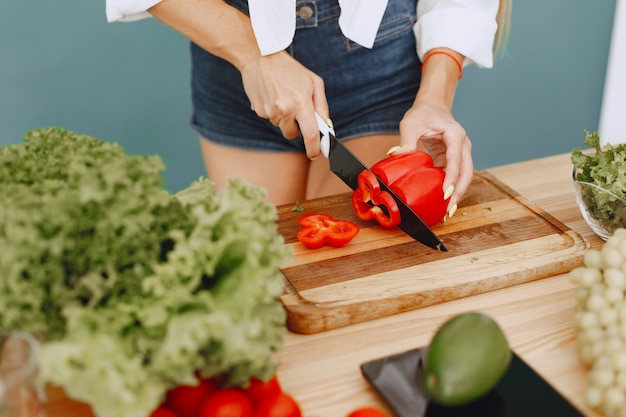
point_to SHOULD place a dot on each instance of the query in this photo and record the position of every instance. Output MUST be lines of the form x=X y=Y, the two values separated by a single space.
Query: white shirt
x=466 y=26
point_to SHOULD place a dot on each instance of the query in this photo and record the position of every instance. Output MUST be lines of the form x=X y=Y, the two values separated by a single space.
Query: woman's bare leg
x=283 y=175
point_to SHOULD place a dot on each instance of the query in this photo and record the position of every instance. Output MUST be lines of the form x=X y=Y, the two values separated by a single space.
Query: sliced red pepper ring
x=318 y=230
x=370 y=202
x=412 y=177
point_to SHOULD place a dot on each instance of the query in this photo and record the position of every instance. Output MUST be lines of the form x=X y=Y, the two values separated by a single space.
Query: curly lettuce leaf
x=606 y=169
x=134 y=290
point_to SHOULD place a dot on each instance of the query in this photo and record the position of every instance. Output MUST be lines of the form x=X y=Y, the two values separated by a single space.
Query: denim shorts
x=368 y=90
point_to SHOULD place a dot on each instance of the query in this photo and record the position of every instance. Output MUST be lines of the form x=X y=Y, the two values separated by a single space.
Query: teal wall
x=546 y=89
x=62 y=64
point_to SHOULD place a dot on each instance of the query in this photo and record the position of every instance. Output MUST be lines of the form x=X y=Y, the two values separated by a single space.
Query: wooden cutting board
x=496 y=239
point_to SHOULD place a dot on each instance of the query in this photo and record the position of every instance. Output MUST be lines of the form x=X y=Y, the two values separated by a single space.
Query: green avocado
x=467 y=357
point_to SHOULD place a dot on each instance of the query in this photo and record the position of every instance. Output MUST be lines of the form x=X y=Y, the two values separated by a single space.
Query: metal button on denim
x=305 y=12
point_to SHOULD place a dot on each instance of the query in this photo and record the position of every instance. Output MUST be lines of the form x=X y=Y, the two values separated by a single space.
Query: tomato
x=185 y=400
x=163 y=411
x=258 y=389
x=367 y=412
x=281 y=405
x=413 y=178
x=321 y=229
x=227 y=402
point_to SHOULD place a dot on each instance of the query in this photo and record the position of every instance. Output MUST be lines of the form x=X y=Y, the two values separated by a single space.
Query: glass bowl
x=603 y=211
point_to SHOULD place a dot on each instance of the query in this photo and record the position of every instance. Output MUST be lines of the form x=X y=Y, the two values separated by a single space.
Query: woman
x=384 y=71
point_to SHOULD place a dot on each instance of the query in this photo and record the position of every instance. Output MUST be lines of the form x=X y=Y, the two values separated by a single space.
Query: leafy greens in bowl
x=600 y=185
x=134 y=290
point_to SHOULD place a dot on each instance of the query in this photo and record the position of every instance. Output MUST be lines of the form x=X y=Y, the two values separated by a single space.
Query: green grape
x=593 y=259
x=594 y=396
x=600 y=324
x=596 y=303
x=614 y=295
x=611 y=258
x=600 y=377
x=615 y=278
x=614 y=398
x=619 y=360
x=620 y=380
x=588 y=320
x=607 y=315
x=581 y=294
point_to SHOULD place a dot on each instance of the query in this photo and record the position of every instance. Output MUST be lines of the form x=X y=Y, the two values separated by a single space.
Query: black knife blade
x=348 y=167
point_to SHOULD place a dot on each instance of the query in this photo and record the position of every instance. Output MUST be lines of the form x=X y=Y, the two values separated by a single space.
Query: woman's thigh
x=282 y=174
x=368 y=91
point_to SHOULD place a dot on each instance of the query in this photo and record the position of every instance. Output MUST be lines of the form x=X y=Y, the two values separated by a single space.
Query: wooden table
x=322 y=370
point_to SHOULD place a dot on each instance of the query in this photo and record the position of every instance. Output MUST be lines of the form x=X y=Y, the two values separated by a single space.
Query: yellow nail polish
x=330 y=123
x=448 y=192
x=392 y=149
x=452 y=211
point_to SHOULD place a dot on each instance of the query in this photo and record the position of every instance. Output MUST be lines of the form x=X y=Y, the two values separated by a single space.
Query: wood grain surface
x=495 y=240
x=321 y=370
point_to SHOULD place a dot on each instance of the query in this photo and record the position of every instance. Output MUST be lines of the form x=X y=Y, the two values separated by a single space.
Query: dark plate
x=520 y=393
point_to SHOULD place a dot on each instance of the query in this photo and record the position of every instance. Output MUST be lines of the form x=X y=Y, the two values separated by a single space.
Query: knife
x=348 y=167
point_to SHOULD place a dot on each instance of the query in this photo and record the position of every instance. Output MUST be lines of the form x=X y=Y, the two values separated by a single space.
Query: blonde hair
x=504 y=21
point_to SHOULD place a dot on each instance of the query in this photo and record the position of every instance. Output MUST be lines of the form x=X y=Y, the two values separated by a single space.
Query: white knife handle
x=325 y=130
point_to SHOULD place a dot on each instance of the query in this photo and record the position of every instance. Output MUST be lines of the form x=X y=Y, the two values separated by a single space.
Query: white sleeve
x=359 y=20
x=273 y=23
x=128 y=10
x=466 y=26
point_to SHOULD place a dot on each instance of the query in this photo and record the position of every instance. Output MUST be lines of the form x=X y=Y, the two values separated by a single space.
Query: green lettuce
x=605 y=169
x=131 y=289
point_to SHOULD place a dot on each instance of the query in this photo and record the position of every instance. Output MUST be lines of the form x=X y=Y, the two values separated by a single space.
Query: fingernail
x=448 y=192
x=452 y=211
x=313 y=159
x=330 y=123
x=392 y=149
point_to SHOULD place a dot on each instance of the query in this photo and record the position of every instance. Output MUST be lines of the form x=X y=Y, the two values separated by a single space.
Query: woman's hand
x=431 y=126
x=280 y=89
x=286 y=93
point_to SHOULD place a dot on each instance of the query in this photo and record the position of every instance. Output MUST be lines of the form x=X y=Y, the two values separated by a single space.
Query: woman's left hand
x=430 y=126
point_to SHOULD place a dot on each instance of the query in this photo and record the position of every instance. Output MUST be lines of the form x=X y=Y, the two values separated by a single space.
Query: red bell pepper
x=321 y=229
x=370 y=202
x=413 y=177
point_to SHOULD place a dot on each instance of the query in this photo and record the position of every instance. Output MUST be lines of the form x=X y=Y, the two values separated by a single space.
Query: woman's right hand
x=288 y=94
x=280 y=89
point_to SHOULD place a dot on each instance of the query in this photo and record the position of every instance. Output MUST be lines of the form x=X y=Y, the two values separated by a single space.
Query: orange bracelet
x=428 y=55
